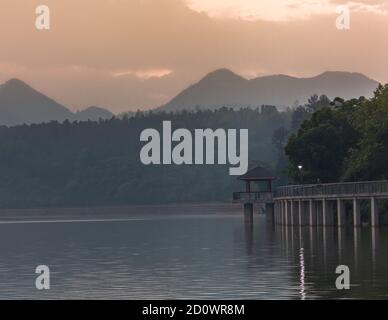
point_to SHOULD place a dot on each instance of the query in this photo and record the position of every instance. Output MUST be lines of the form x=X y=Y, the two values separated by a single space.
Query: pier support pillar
x=275 y=212
x=281 y=205
x=280 y=212
x=269 y=212
x=341 y=214
x=295 y=213
x=312 y=216
x=319 y=212
x=287 y=213
x=300 y=211
x=305 y=213
x=327 y=213
x=374 y=207
x=356 y=212
x=248 y=211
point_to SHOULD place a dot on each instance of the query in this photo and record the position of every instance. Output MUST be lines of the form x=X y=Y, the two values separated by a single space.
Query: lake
x=185 y=252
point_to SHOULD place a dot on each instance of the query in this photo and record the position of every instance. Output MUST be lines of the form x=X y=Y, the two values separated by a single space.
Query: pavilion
x=258 y=189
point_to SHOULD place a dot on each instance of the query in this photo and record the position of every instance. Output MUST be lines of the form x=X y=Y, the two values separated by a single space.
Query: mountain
x=225 y=88
x=20 y=103
x=93 y=113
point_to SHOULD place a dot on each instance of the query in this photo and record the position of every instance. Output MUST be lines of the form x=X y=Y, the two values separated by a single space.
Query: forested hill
x=97 y=163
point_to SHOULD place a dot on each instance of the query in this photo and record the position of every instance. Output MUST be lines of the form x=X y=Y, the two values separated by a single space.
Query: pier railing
x=344 y=189
x=252 y=196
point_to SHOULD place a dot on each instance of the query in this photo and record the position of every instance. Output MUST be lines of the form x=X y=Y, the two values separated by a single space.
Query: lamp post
x=300 y=167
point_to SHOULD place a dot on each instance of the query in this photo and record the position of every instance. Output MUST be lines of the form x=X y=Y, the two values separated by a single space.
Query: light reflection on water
x=190 y=256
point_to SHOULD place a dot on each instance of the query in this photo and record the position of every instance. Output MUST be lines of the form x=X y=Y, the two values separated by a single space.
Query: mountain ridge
x=223 y=87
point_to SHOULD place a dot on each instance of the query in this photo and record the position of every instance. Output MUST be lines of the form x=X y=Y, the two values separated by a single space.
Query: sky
x=138 y=54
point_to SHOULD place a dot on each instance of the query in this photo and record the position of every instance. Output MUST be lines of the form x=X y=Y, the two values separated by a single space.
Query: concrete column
x=295 y=218
x=305 y=213
x=293 y=213
x=275 y=212
x=325 y=210
x=374 y=206
x=300 y=213
x=286 y=212
x=248 y=211
x=327 y=213
x=280 y=213
x=319 y=212
x=356 y=212
x=290 y=212
x=312 y=216
x=269 y=212
x=341 y=214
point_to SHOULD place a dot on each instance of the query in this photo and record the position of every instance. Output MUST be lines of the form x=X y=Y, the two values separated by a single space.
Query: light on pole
x=300 y=167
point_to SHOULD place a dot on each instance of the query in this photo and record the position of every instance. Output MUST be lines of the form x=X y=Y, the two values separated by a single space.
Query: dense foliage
x=97 y=163
x=347 y=141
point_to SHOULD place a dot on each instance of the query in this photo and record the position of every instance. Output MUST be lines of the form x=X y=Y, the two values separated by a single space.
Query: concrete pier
x=270 y=212
x=374 y=212
x=314 y=204
x=312 y=214
x=320 y=212
x=356 y=212
x=248 y=211
x=327 y=211
x=341 y=214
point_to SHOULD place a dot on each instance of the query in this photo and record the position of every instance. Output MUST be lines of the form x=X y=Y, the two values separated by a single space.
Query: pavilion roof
x=258 y=173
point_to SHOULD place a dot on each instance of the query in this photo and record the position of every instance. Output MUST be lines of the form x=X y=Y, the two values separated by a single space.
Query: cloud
x=129 y=54
x=144 y=74
x=279 y=10
x=371 y=6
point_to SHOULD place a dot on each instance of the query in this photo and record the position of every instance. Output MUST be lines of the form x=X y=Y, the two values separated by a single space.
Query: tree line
x=97 y=163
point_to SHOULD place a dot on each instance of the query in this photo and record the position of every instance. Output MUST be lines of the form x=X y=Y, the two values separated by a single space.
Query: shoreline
x=108 y=213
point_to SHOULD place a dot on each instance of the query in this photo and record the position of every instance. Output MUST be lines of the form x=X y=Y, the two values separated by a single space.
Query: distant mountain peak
x=332 y=74
x=222 y=74
x=93 y=108
x=20 y=103
x=93 y=113
x=15 y=83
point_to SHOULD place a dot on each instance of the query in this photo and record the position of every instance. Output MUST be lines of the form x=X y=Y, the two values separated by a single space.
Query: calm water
x=208 y=254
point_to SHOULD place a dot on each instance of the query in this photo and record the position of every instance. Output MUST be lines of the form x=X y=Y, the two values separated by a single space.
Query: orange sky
x=130 y=54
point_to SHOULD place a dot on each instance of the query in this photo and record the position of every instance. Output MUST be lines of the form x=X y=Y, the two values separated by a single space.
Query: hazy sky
x=130 y=54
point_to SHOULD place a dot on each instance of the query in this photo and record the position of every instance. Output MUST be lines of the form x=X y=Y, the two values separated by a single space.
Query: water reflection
x=302 y=274
x=321 y=250
x=217 y=255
